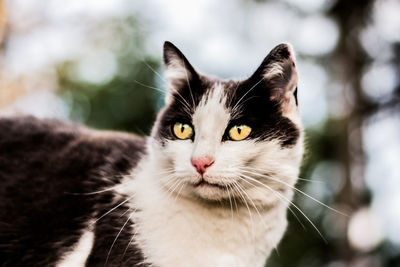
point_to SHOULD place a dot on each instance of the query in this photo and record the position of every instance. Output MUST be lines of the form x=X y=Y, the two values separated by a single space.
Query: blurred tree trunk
x=349 y=62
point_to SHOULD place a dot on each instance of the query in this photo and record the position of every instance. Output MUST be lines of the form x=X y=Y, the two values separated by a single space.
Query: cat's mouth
x=203 y=182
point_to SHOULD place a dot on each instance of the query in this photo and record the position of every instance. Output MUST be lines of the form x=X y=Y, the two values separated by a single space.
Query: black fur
x=46 y=167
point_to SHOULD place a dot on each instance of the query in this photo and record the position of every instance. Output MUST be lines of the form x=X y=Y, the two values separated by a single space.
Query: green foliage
x=124 y=102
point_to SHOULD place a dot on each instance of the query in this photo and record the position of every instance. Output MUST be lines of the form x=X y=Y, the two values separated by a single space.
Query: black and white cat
x=209 y=187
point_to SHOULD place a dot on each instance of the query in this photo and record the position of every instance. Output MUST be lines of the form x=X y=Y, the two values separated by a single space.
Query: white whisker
x=129 y=243
x=311 y=180
x=277 y=194
x=288 y=201
x=125 y=212
x=111 y=210
x=115 y=240
x=235 y=184
x=150 y=67
x=255 y=207
x=237 y=86
x=172 y=188
x=179 y=191
x=298 y=190
x=237 y=103
x=185 y=104
x=230 y=200
x=187 y=80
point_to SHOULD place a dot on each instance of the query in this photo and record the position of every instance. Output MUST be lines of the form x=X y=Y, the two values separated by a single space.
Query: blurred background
x=98 y=62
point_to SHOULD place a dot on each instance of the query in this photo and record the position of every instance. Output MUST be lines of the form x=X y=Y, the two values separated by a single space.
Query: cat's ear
x=277 y=73
x=178 y=71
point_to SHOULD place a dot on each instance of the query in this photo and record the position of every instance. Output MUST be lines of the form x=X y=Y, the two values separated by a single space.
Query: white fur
x=183 y=228
x=176 y=70
x=275 y=69
x=79 y=254
x=184 y=232
x=210 y=128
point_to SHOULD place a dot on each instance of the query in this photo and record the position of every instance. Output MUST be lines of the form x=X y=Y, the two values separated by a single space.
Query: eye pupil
x=182 y=131
x=239 y=132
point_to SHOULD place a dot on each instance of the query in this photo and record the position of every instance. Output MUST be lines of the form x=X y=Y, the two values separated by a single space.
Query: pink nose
x=202 y=163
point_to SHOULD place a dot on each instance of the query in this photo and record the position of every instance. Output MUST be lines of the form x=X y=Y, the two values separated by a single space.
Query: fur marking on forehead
x=211 y=109
x=215 y=94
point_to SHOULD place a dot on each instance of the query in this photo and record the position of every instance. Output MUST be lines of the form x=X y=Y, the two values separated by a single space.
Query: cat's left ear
x=277 y=73
x=178 y=71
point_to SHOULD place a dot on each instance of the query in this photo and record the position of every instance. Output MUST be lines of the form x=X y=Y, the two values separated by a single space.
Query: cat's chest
x=177 y=232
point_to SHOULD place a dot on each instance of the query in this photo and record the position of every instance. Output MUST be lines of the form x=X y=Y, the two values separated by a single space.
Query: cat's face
x=220 y=140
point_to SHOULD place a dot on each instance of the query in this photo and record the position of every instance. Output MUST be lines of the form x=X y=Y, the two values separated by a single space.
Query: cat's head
x=218 y=139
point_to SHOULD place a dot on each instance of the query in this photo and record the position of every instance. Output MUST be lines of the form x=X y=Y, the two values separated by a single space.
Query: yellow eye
x=182 y=130
x=239 y=132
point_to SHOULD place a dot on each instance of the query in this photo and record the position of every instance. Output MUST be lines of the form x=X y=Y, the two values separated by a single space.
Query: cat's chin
x=206 y=190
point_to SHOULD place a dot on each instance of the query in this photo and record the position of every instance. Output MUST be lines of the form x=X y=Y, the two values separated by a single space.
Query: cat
x=209 y=187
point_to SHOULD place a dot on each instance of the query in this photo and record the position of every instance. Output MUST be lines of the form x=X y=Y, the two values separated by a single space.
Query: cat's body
x=209 y=187
x=46 y=167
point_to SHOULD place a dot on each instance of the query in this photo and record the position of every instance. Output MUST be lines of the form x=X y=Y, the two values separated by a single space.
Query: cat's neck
x=174 y=231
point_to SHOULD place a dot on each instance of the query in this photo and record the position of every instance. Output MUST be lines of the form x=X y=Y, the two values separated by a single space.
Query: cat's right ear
x=178 y=71
x=277 y=75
